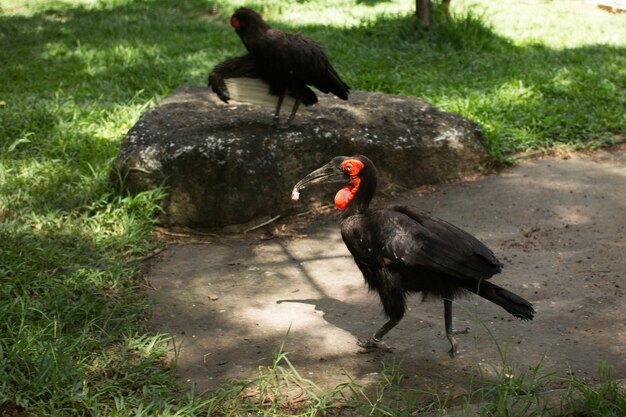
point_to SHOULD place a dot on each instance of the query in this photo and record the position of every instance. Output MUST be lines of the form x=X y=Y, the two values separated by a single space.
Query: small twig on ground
x=150 y=255
x=262 y=224
x=185 y=232
x=146 y=283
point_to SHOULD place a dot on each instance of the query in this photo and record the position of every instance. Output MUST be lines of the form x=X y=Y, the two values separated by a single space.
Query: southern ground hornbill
x=285 y=63
x=402 y=249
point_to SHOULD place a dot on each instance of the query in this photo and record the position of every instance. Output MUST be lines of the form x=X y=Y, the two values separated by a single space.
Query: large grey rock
x=226 y=165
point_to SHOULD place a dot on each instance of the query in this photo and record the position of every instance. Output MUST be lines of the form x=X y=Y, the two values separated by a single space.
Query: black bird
x=402 y=249
x=287 y=63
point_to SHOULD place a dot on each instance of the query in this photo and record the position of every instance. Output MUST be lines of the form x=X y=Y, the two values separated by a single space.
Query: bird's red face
x=340 y=169
x=245 y=18
x=234 y=22
x=351 y=167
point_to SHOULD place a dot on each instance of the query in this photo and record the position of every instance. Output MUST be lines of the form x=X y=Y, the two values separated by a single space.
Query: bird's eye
x=348 y=167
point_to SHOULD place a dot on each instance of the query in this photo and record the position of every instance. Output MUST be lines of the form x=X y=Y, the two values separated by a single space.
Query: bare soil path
x=557 y=224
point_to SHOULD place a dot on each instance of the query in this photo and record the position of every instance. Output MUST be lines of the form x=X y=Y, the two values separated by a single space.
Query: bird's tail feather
x=255 y=91
x=336 y=85
x=509 y=301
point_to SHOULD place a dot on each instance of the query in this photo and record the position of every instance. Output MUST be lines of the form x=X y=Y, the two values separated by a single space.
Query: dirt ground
x=558 y=225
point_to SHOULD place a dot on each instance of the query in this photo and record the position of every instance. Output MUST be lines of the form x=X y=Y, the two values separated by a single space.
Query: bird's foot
x=276 y=125
x=453 y=344
x=452 y=352
x=372 y=343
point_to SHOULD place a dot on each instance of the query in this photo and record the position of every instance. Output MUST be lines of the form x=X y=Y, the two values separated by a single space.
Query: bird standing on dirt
x=402 y=249
x=287 y=63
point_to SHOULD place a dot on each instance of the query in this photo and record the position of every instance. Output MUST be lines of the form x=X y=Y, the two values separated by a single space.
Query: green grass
x=76 y=75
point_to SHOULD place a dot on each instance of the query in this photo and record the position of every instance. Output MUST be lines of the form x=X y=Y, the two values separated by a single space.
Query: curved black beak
x=331 y=172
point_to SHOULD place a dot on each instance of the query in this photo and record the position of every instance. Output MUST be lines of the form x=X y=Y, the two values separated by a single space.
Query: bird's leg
x=447 y=315
x=294 y=110
x=278 y=106
x=377 y=339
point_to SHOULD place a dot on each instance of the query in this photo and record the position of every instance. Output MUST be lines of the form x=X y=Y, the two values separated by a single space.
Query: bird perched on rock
x=402 y=249
x=278 y=65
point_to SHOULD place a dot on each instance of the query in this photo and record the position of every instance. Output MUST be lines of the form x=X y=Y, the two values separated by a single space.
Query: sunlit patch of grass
x=556 y=24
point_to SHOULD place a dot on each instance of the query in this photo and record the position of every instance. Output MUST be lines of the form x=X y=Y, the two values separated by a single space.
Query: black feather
x=288 y=63
x=415 y=252
x=239 y=67
x=402 y=249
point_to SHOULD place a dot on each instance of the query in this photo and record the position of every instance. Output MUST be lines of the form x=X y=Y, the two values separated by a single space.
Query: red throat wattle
x=346 y=194
x=343 y=197
x=234 y=22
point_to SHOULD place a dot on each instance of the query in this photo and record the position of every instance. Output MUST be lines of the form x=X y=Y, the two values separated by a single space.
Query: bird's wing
x=416 y=239
x=255 y=91
x=303 y=58
x=241 y=66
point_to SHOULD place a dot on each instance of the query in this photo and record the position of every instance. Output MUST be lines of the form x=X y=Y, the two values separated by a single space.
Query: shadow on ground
x=556 y=224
